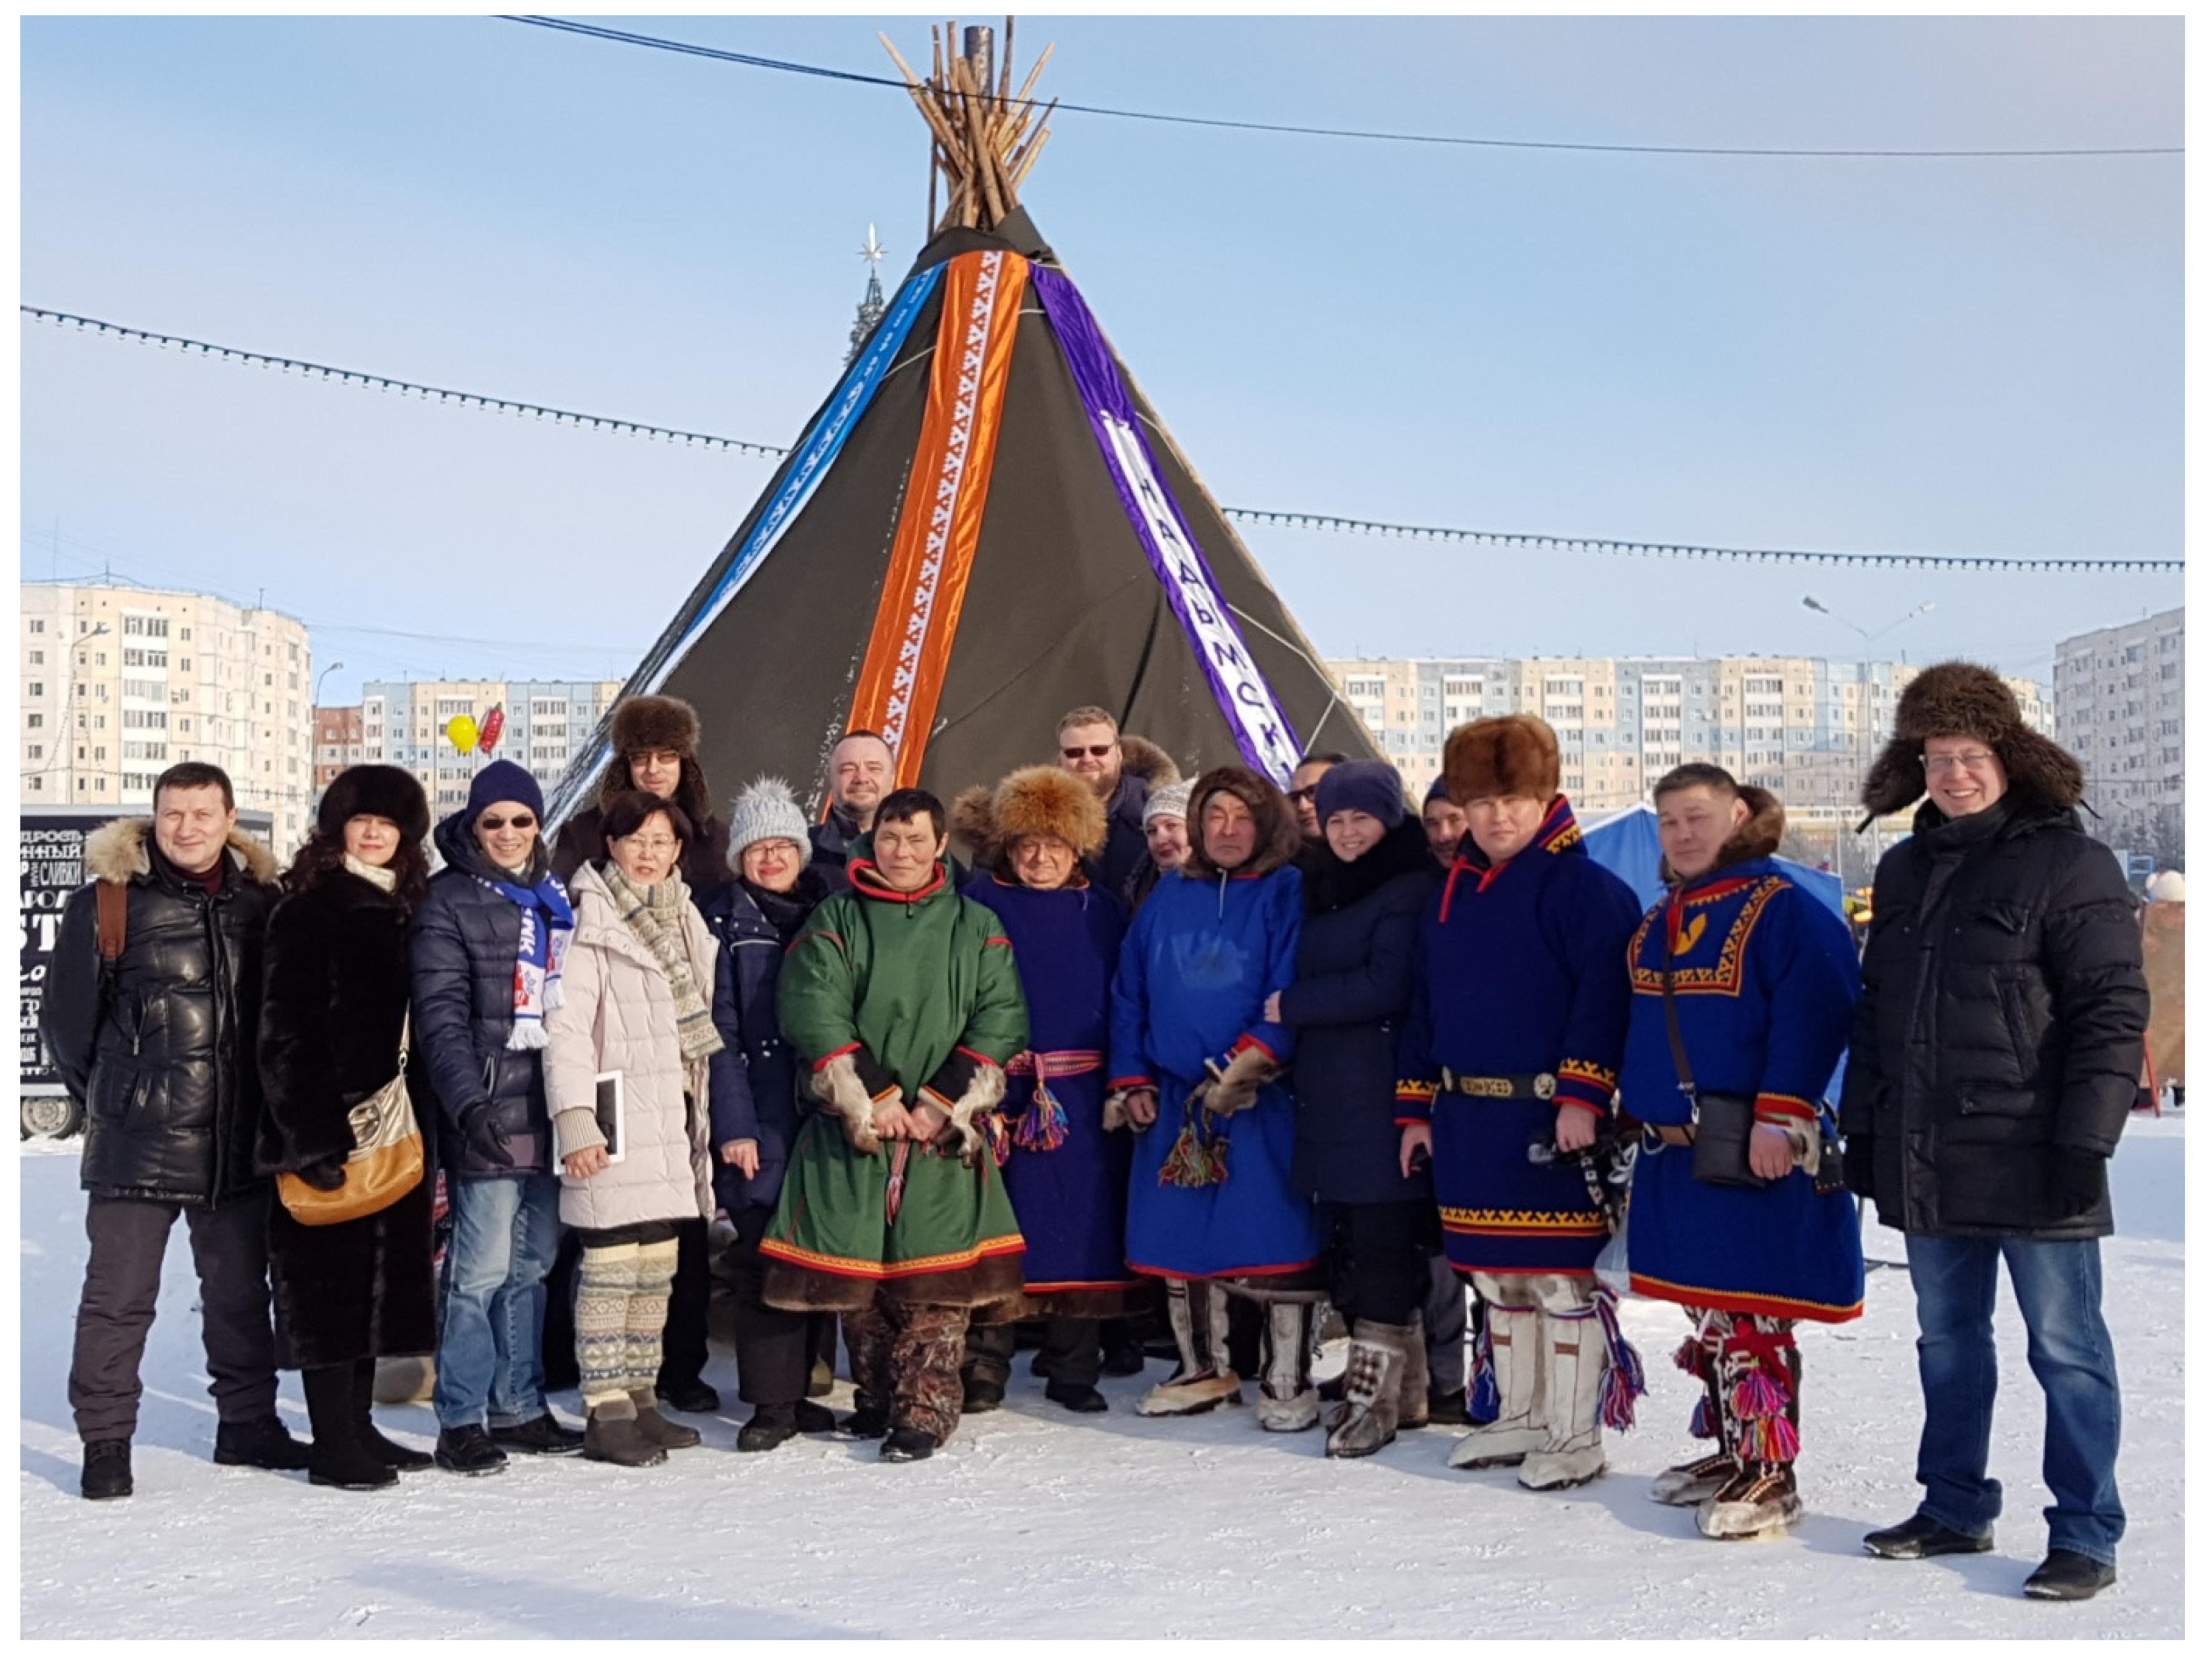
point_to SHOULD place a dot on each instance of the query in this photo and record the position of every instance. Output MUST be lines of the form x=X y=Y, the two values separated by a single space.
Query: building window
x=38 y=688
x=37 y=627
x=34 y=721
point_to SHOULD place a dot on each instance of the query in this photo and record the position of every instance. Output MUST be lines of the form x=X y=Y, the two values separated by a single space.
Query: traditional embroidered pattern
x=1521 y=1220
x=1725 y=976
x=848 y=1267
x=1732 y=1300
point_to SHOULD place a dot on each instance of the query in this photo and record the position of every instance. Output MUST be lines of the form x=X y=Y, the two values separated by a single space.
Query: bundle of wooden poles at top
x=984 y=141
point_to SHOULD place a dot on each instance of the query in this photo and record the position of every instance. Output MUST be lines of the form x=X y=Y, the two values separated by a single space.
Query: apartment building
x=1806 y=728
x=119 y=682
x=402 y=723
x=2119 y=710
x=337 y=744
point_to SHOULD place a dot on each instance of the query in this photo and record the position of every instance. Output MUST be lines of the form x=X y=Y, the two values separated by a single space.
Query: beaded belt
x=1522 y=1085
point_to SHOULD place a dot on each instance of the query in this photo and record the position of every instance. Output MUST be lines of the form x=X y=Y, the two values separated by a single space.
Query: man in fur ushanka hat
x=656 y=744
x=1993 y=1063
x=1507 y=1071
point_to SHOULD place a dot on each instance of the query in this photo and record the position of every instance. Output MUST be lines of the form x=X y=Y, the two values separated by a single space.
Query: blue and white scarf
x=547 y=924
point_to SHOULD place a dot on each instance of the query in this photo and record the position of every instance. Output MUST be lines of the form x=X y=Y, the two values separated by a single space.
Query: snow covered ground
x=1033 y=1522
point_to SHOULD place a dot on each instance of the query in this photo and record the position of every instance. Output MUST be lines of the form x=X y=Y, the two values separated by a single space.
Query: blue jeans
x=505 y=1229
x=2060 y=1286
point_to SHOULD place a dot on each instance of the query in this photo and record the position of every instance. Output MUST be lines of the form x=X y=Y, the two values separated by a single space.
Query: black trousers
x=775 y=1345
x=1382 y=1260
x=123 y=1281
x=683 y=1340
x=1071 y=1353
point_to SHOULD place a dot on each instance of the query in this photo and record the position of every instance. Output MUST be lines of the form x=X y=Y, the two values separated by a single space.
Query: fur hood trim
x=1509 y=754
x=1278 y=840
x=120 y=852
x=1143 y=757
x=1964 y=699
x=1759 y=838
x=1037 y=800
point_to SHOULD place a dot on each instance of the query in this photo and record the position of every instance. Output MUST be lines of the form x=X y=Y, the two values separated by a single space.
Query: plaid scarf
x=547 y=924
x=655 y=914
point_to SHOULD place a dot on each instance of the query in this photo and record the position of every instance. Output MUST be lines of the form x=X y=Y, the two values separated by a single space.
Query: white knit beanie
x=1169 y=800
x=765 y=810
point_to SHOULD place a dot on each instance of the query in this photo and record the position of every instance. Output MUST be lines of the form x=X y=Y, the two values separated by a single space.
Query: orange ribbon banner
x=942 y=517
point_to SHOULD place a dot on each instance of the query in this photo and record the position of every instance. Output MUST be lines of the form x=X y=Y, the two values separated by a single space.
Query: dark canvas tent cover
x=984 y=526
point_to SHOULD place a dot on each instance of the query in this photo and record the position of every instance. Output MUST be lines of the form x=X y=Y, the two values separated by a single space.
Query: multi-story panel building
x=338 y=743
x=119 y=682
x=403 y=722
x=2119 y=710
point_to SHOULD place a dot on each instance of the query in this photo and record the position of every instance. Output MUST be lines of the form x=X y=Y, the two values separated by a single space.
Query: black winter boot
x=771 y=1425
x=261 y=1443
x=338 y=1457
x=106 y=1469
x=388 y=1452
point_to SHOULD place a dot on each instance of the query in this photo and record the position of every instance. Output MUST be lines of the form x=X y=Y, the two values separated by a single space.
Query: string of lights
x=753 y=60
x=1610 y=546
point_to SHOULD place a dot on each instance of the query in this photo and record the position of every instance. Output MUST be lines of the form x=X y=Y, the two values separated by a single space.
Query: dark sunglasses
x=1096 y=751
x=493 y=826
x=1305 y=794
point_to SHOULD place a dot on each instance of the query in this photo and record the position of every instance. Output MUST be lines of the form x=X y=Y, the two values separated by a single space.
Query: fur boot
x=1413 y=1375
x=1197 y=1311
x=1758 y=1385
x=1373 y=1385
x=1288 y=1401
x=1573 y=1451
x=1688 y=1483
x=1514 y=1337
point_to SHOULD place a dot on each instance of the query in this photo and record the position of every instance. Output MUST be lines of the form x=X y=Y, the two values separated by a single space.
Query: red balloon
x=494 y=723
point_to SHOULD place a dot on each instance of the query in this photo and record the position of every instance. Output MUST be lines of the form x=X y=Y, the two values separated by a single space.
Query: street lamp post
x=1862 y=746
x=314 y=715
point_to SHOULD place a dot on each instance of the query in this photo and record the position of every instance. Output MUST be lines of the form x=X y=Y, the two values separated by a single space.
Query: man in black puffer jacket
x=158 y=1048
x=1992 y=1067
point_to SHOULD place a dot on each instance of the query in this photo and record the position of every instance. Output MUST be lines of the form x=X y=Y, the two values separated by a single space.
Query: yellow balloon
x=461 y=732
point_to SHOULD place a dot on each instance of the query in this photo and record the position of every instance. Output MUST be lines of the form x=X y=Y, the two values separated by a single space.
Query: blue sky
x=1944 y=355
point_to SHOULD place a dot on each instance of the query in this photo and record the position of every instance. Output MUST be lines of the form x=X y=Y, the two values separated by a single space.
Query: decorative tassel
x=1768 y=1439
x=1756 y=1396
x=1623 y=1369
x=894 y=1188
x=1691 y=1355
x=1483 y=1400
x=1196 y=1158
x=1702 y=1425
x=995 y=1135
x=1043 y=1126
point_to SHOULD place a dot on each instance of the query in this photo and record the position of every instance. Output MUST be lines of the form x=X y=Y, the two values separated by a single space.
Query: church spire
x=871 y=311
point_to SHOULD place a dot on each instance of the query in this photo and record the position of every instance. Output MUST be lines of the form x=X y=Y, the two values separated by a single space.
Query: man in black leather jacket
x=1992 y=1067
x=157 y=1047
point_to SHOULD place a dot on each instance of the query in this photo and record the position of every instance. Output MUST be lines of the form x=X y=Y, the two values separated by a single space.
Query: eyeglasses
x=493 y=826
x=657 y=843
x=1097 y=751
x=1304 y=793
x=1972 y=762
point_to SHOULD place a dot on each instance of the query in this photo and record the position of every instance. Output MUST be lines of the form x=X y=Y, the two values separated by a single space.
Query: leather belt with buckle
x=1524 y=1085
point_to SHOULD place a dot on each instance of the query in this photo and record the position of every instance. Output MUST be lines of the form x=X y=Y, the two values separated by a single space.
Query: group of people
x=1204 y=1048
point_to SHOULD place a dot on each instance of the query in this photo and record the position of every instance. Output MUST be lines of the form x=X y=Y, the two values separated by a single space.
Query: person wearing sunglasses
x=1122 y=770
x=637 y=1005
x=486 y=958
x=1993 y=1065
x=1305 y=785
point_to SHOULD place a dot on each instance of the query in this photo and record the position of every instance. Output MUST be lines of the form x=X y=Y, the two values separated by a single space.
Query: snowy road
x=1036 y=1523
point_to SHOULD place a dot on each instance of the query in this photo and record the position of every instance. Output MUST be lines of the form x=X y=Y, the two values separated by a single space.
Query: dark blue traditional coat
x=1199 y=961
x=1521 y=977
x=1764 y=980
x=1070 y=1197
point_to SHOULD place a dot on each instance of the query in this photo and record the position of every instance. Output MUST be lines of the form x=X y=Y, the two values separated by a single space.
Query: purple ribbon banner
x=1248 y=702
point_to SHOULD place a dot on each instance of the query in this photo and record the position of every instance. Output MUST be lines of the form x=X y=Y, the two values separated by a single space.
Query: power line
x=752 y=60
x=1607 y=545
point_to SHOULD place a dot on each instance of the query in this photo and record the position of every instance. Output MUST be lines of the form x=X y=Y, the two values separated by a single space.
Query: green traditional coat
x=919 y=989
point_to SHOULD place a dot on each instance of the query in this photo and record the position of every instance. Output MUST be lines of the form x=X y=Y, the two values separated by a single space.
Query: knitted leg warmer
x=648 y=1312
x=605 y=1280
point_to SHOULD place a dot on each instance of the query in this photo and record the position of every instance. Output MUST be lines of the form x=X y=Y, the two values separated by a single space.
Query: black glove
x=2077 y=1182
x=326 y=1174
x=1858 y=1164
x=482 y=1138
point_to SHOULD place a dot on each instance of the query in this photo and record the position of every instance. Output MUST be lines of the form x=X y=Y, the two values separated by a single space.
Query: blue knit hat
x=1436 y=792
x=1370 y=786
x=505 y=780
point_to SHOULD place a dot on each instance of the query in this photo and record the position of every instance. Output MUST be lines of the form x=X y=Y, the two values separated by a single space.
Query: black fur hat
x=381 y=791
x=1964 y=700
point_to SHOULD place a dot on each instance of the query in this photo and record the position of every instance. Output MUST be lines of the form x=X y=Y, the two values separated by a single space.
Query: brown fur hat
x=1279 y=841
x=1144 y=758
x=1964 y=699
x=643 y=725
x=1509 y=754
x=1037 y=800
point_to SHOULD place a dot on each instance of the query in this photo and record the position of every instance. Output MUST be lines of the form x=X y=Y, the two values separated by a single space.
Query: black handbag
x=1721 y=1124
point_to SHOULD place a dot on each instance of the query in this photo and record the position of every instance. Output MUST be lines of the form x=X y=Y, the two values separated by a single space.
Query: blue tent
x=1627 y=842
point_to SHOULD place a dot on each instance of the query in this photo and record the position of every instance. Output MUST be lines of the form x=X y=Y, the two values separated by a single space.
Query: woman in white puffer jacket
x=638 y=995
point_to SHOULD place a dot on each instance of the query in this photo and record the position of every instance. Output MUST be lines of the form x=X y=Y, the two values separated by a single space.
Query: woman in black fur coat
x=333 y=1008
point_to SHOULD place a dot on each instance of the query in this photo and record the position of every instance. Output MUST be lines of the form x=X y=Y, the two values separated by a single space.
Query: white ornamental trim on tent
x=952 y=468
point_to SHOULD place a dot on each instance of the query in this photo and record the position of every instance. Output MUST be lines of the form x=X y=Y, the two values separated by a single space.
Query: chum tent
x=983 y=526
